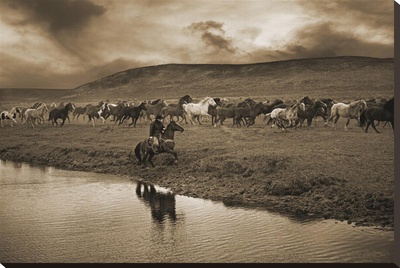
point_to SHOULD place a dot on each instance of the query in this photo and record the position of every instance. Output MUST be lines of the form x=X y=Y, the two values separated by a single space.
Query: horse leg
x=171 y=151
x=373 y=126
x=309 y=121
x=198 y=119
x=150 y=157
x=31 y=121
x=347 y=123
x=63 y=121
x=335 y=121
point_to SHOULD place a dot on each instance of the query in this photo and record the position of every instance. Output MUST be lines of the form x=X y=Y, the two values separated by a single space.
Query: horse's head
x=185 y=99
x=15 y=110
x=211 y=101
x=174 y=126
x=307 y=101
x=45 y=107
x=302 y=106
x=70 y=106
x=164 y=103
x=143 y=105
x=319 y=104
x=218 y=101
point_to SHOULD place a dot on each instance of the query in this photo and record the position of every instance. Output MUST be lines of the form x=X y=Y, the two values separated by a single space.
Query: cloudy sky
x=67 y=43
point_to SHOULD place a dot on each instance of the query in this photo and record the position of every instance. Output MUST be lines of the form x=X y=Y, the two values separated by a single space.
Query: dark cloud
x=322 y=40
x=57 y=16
x=212 y=35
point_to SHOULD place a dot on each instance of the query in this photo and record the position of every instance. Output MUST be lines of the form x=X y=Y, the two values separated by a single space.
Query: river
x=54 y=215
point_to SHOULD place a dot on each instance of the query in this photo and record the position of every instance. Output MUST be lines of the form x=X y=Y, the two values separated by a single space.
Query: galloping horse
x=79 y=111
x=9 y=115
x=36 y=114
x=285 y=116
x=176 y=109
x=144 y=152
x=349 y=111
x=98 y=113
x=131 y=112
x=155 y=109
x=60 y=113
x=310 y=112
x=385 y=113
x=200 y=108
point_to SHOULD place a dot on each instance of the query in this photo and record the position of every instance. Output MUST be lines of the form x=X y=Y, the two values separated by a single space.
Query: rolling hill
x=336 y=77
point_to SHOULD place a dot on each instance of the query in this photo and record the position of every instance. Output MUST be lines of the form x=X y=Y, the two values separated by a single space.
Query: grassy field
x=315 y=171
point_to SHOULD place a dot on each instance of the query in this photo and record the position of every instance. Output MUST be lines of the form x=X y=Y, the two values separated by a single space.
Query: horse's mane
x=153 y=102
x=307 y=100
x=205 y=99
x=355 y=103
x=186 y=98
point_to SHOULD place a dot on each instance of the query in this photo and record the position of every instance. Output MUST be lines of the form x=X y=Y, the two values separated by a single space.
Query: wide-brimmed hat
x=159 y=116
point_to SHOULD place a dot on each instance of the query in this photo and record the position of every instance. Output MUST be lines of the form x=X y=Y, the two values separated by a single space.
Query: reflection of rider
x=156 y=129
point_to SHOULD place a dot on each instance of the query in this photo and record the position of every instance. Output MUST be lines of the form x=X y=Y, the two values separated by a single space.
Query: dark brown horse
x=60 y=113
x=385 y=113
x=131 y=112
x=145 y=152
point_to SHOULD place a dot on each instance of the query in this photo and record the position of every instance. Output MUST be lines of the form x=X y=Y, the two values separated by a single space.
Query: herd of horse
x=217 y=110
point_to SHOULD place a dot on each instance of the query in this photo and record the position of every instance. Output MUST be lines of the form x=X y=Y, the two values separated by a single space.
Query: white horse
x=34 y=114
x=349 y=111
x=200 y=108
x=10 y=115
x=285 y=116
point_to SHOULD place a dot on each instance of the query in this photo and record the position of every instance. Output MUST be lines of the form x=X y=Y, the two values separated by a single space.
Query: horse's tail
x=363 y=119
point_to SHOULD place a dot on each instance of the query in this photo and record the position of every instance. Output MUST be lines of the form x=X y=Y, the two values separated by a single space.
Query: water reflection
x=161 y=204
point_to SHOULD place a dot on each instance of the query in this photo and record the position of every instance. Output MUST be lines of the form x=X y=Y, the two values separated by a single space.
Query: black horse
x=385 y=114
x=310 y=112
x=131 y=112
x=144 y=151
x=60 y=113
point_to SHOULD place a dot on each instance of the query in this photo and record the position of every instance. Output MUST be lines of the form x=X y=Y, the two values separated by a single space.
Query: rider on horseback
x=156 y=129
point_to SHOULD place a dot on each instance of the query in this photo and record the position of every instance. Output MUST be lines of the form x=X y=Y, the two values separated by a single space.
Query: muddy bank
x=291 y=184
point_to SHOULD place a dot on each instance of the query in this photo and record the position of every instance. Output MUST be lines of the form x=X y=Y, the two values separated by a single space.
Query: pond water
x=53 y=215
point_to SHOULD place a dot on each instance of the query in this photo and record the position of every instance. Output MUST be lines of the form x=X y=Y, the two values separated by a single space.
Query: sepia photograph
x=197 y=131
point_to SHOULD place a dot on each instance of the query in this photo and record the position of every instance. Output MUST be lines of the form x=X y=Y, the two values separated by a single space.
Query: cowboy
x=156 y=129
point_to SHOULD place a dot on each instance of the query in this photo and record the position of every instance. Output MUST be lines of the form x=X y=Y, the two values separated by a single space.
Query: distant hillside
x=325 y=77
x=336 y=77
